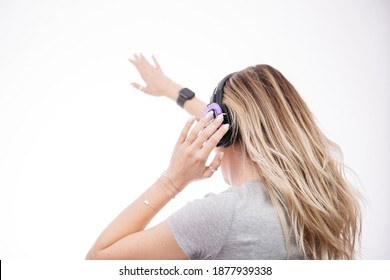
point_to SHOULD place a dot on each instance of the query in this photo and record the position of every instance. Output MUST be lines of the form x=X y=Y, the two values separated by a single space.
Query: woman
x=288 y=198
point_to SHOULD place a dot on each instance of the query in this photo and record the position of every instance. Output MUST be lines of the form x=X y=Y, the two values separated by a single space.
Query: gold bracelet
x=170 y=194
x=165 y=174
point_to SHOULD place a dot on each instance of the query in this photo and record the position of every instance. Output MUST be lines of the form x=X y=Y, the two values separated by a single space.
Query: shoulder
x=223 y=202
x=212 y=208
x=201 y=227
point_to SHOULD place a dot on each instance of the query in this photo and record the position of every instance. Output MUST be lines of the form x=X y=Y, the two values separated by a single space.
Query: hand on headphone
x=193 y=148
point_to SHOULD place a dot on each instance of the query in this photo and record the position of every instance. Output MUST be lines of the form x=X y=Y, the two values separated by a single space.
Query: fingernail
x=190 y=120
x=221 y=156
x=226 y=126
x=209 y=114
x=220 y=118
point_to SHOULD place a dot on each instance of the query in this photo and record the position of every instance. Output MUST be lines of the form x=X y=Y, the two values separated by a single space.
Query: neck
x=240 y=169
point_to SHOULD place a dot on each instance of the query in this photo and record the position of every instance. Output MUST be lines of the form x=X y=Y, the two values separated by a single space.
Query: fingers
x=145 y=61
x=142 y=66
x=135 y=60
x=138 y=60
x=214 y=140
x=192 y=153
x=138 y=86
x=185 y=130
x=156 y=63
x=198 y=128
x=214 y=165
x=208 y=131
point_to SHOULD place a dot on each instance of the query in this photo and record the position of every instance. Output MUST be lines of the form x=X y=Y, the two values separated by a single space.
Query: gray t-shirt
x=239 y=223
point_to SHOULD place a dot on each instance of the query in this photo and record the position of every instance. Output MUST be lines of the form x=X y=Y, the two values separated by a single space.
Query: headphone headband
x=218 y=91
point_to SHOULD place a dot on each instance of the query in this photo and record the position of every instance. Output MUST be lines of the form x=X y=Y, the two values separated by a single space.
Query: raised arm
x=126 y=237
x=158 y=84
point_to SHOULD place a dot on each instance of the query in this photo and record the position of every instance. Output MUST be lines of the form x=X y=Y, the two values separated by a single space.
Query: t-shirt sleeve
x=202 y=226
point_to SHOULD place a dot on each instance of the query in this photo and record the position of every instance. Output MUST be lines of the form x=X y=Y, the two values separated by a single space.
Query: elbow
x=90 y=256
x=93 y=255
x=102 y=254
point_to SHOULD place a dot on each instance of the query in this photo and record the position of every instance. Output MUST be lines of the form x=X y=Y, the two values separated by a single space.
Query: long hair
x=301 y=169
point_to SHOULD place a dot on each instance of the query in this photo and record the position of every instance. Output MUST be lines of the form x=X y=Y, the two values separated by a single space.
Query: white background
x=78 y=144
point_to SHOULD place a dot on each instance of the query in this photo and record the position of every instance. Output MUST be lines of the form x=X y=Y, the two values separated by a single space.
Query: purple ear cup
x=212 y=106
x=219 y=108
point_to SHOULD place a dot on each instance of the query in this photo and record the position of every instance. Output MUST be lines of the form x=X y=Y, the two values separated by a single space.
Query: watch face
x=187 y=94
x=184 y=95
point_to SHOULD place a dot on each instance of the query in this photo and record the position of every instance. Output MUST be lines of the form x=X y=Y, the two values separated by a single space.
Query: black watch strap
x=184 y=95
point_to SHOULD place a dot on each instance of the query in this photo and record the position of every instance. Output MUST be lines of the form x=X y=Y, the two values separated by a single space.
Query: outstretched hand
x=193 y=148
x=156 y=83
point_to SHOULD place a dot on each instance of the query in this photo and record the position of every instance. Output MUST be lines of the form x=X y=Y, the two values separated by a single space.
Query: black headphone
x=218 y=108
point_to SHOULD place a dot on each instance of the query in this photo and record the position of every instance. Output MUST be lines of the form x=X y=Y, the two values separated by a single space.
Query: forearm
x=194 y=107
x=136 y=216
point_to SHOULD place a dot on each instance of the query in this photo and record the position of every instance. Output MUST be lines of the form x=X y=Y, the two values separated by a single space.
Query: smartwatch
x=184 y=95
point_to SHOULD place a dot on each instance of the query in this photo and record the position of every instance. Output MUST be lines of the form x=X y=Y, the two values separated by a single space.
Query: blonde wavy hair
x=301 y=169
